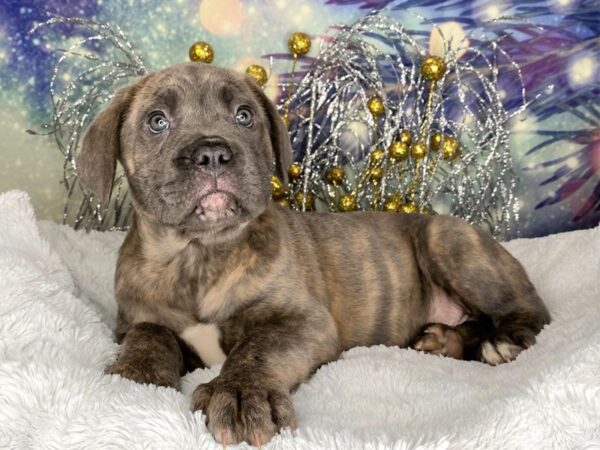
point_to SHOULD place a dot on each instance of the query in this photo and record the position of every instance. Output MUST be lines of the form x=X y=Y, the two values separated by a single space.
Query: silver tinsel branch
x=84 y=77
x=333 y=127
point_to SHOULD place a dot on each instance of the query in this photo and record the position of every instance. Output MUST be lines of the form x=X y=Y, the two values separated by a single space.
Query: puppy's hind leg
x=488 y=282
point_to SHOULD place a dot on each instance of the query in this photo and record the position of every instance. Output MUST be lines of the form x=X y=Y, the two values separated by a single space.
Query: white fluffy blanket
x=57 y=311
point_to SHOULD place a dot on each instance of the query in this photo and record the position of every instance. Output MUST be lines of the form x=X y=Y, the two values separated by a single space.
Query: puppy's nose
x=206 y=153
x=211 y=158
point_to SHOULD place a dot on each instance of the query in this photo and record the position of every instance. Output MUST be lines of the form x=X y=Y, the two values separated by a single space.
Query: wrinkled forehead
x=195 y=83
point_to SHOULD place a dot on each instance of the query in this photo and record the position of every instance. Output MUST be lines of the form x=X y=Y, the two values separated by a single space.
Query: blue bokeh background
x=556 y=145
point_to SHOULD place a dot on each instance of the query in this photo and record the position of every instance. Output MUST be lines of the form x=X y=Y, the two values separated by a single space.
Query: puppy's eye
x=158 y=123
x=244 y=117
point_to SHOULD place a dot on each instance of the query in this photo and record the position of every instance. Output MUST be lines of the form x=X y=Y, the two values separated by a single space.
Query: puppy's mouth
x=216 y=206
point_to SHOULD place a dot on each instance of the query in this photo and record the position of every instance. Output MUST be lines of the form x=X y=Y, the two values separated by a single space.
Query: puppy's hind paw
x=439 y=339
x=499 y=352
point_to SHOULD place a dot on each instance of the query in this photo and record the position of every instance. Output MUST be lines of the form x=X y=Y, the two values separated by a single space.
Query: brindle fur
x=288 y=291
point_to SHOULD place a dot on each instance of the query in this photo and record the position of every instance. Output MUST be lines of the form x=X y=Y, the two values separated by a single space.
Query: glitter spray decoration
x=82 y=80
x=435 y=133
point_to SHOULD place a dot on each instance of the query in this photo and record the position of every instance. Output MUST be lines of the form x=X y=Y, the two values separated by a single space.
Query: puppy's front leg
x=150 y=353
x=250 y=400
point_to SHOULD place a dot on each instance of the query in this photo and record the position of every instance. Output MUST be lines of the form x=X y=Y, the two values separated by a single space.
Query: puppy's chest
x=208 y=291
x=205 y=339
x=223 y=293
x=215 y=300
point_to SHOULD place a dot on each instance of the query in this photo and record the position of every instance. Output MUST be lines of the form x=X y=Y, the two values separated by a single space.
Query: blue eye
x=158 y=123
x=244 y=117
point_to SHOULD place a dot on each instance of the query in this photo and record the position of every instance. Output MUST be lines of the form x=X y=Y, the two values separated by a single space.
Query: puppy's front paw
x=144 y=372
x=238 y=411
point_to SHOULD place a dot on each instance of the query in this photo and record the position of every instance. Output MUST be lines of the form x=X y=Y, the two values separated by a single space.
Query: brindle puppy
x=212 y=263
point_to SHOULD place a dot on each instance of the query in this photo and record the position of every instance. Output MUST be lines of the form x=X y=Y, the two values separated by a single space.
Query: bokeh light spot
x=221 y=17
x=582 y=70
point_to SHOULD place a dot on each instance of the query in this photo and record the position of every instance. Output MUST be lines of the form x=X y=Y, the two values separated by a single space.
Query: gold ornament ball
x=201 y=52
x=335 y=175
x=376 y=174
x=392 y=204
x=409 y=208
x=377 y=155
x=375 y=105
x=299 y=44
x=294 y=171
x=257 y=72
x=310 y=200
x=433 y=68
x=398 y=150
x=450 y=148
x=277 y=187
x=406 y=137
x=348 y=203
x=284 y=201
x=436 y=141
x=419 y=150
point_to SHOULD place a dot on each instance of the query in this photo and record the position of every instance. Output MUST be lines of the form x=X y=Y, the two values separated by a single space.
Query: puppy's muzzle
x=207 y=154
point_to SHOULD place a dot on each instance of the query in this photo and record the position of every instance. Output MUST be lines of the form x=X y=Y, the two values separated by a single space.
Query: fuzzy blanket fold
x=57 y=311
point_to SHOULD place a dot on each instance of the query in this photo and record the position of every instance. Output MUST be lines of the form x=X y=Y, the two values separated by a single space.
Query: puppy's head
x=198 y=144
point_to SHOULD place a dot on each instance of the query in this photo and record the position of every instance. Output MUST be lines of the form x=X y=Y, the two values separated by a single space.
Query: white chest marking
x=204 y=338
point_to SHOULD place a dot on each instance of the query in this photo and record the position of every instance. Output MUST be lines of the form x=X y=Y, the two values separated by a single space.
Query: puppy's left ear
x=278 y=132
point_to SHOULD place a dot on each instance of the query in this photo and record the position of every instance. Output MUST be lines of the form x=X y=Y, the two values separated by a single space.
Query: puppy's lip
x=216 y=205
x=214 y=200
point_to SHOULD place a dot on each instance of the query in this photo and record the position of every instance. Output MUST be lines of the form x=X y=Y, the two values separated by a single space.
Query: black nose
x=211 y=157
x=210 y=153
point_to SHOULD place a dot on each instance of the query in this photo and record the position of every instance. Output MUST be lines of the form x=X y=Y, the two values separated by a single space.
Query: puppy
x=212 y=271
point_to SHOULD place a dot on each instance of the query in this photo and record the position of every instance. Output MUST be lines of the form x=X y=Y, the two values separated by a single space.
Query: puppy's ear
x=96 y=162
x=280 y=139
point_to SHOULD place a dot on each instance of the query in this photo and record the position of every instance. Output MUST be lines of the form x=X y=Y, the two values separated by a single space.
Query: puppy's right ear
x=96 y=162
x=278 y=133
